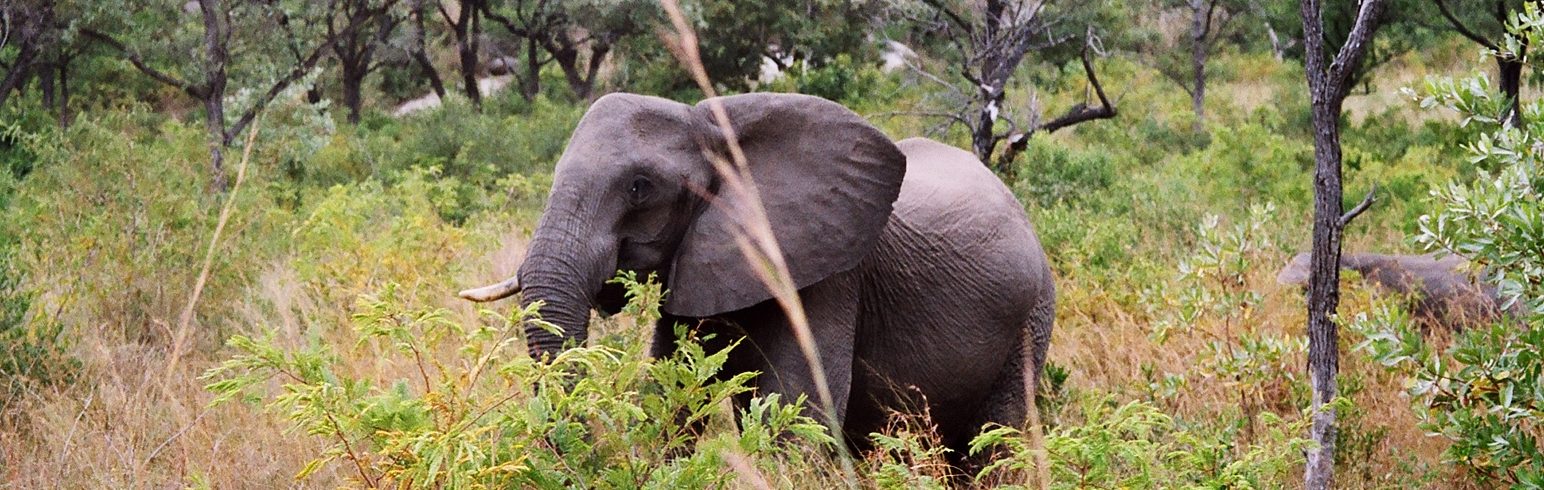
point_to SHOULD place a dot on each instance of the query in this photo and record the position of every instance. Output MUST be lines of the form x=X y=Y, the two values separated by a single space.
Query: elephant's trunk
x=564 y=269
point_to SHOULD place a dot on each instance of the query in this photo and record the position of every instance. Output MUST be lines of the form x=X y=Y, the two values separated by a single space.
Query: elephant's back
x=950 y=202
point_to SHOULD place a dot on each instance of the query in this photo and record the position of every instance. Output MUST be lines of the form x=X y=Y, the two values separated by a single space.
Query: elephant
x=1441 y=293
x=922 y=279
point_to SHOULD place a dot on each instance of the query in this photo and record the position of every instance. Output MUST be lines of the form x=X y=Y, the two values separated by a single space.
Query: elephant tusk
x=492 y=292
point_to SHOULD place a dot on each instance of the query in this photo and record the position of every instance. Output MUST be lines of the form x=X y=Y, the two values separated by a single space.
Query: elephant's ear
x=827 y=180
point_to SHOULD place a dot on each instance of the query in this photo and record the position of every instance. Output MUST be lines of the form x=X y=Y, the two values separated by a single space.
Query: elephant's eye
x=640 y=188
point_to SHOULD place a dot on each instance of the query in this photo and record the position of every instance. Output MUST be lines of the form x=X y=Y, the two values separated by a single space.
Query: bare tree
x=990 y=41
x=1327 y=87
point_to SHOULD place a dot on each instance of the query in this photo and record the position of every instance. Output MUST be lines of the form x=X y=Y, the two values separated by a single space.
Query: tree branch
x=953 y=17
x=1345 y=219
x=945 y=115
x=1462 y=29
x=1082 y=113
x=1207 y=30
x=1351 y=53
x=196 y=91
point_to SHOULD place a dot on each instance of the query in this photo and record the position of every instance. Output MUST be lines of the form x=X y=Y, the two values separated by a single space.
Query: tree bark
x=530 y=85
x=21 y=68
x=45 y=76
x=64 y=92
x=1200 y=27
x=352 y=78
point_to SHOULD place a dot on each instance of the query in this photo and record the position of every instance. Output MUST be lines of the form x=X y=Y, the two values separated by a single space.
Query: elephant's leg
x=1008 y=403
x=772 y=346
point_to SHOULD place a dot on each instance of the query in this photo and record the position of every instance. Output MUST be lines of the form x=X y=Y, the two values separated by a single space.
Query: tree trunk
x=64 y=92
x=1199 y=25
x=1329 y=79
x=598 y=53
x=16 y=77
x=1511 y=75
x=982 y=141
x=420 y=51
x=215 y=37
x=353 y=77
x=46 y=83
x=531 y=84
x=1324 y=289
x=466 y=49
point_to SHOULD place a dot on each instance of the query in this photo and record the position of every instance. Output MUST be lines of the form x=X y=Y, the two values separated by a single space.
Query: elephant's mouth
x=642 y=254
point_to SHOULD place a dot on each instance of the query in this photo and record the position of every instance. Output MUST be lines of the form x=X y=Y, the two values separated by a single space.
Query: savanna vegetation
x=233 y=231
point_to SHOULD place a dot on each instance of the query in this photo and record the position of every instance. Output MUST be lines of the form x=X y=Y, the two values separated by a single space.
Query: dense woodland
x=232 y=233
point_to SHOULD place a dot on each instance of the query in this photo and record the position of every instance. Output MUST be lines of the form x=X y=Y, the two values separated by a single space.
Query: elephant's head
x=636 y=190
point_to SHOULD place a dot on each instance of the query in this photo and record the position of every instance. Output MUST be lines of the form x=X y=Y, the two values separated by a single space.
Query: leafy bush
x=1485 y=392
x=472 y=410
x=1052 y=174
x=1136 y=445
x=1213 y=302
x=112 y=234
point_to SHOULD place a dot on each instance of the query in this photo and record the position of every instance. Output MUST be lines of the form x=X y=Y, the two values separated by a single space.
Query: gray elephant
x=1442 y=294
x=921 y=276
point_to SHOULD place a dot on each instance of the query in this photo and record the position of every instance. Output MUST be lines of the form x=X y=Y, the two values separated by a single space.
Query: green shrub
x=115 y=221
x=1050 y=174
x=489 y=416
x=1485 y=392
x=1136 y=445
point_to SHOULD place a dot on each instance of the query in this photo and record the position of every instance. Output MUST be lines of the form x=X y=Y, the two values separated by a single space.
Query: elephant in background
x=1442 y=294
x=921 y=276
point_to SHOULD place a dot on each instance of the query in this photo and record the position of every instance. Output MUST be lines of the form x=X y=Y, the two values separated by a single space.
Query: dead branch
x=1345 y=219
x=1081 y=113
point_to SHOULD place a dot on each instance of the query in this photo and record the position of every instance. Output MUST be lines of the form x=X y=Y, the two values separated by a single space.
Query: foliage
x=595 y=417
x=32 y=354
x=1214 y=302
x=1485 y=392
x=110 y=222
x=1137 y=445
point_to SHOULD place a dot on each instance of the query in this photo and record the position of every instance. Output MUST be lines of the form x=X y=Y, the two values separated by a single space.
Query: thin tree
x=466 y=24
x=1202 y=39
x=28 y=27
x=1327 y=88
x=530 y=21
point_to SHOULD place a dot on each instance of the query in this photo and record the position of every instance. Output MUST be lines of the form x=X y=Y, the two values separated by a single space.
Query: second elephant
x=1441 y=293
